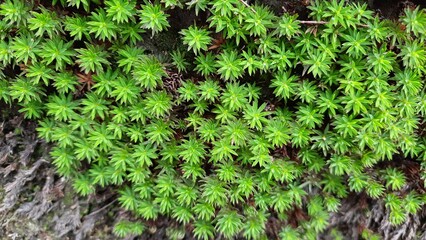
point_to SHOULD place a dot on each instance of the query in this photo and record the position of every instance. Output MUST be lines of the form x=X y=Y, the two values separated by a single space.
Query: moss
x=269 y=115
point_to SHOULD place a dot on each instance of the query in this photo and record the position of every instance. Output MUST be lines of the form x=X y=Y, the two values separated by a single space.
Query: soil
x=37 y=204
x=392 y=8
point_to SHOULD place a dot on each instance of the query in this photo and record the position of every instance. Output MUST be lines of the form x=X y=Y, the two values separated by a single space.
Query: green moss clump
x=254 y=116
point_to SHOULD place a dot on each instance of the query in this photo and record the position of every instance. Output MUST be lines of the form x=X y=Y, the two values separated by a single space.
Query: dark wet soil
x=392 y=8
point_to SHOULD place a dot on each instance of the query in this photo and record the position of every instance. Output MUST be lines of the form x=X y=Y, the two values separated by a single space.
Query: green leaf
x=192 y=151
x=102 y=25
x=179 y=61
x=144 y=154
x=84 y=3
x=258 y=22
x=62 y=107
x=254 y=225
x=307 y=91
x=83 y=185
x=15 y=12
x=229 y=65
x=277 y=132
x=148 y=73
x=205 y=64
x=223 y=150
x=120 y=10
x=234 y=97
x=91 y=58
x=229 y=223
x=44 y=22
x=24 y=48
x=356 y=44
x=182 y=214
x=256 y=116
x=153 y=18
x=125 y=90
x=285 y=85
x=414 y=20
x=375 y=189
x=318 y=63
x=413 y=55
x=395 y=179
x=32 y=109
x=65 y=82
x=288 y=26
x=197 y=39
x=203 y=230
x=159 y=132
x=214 y=192
x=128 y=199
x=95 y=106
x=37 y=72
x=57 y=50
x=340 y=165
x=308 y=116
x=78 y=27
x=126 y=228
x=381 y=60
x=158 y=103
x=101 y=137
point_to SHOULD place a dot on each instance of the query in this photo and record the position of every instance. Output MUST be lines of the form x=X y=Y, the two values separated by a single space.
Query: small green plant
x=196 y=39
x=253 y=117
x=91 y=58
x=121 y=11
x=153 y=18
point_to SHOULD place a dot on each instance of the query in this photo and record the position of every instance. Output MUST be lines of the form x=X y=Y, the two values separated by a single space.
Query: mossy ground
x=71 y=217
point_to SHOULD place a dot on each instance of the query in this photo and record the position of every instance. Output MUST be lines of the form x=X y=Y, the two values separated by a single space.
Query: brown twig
x=313 y=22
x=102 y=208
x=301 y=21
x=247 y=5
x=324 y=22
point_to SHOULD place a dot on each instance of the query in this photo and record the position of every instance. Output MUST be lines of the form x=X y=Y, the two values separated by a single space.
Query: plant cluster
x=275 y=118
